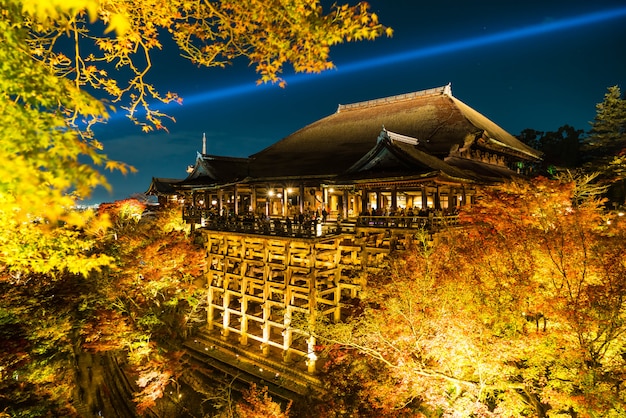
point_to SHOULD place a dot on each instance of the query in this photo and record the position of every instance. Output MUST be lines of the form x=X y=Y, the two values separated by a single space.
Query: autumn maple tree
x=150 y=297
x=136 y=310
x=258 y=404
x=519 y=312
x=68 y=64
x=81 y=279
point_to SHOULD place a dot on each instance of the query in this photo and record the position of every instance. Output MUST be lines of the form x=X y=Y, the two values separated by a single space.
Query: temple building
x=425 y=150
x=297 y=229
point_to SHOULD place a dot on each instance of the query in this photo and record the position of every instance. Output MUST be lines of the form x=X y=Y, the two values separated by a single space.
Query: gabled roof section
x=397 y=156
x=201 y=169
x=437 y=120
x=162 y=186
x=494 y=137
x=217 y=169
x=485 y=172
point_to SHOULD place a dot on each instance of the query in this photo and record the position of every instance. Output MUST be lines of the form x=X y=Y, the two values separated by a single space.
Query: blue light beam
x=418 y=54
x=486 y=40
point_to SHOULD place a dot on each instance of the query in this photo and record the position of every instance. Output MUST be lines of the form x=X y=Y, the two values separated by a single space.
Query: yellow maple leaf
x=119 y=23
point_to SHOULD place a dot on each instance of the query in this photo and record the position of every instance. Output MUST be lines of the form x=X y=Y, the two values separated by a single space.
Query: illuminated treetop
x=57 y=55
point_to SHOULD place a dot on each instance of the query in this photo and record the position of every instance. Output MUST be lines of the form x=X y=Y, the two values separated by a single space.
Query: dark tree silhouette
x=561 y=148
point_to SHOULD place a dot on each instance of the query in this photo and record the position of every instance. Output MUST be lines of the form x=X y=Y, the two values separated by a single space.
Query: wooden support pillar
x=452 y=200
x=211 y=308
x=243 y=337
x=302 y=197
x=285 y=201
x=252 y=199
x=287 y=332
x=265 y=347
x=437 y=198
x=235 y=200
x=267 y=202
x=337 y=311
x=365 y=199
x=463 y=196
x=346 y=203
x=337 y=282
x=312 y=307
x=394 y=198
x=220 y=201
x=311 y=356
x=424 y=197
x=225 y=312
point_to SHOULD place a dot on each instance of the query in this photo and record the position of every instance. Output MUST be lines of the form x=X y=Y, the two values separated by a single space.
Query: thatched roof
x=432 y=131
x=434 y=117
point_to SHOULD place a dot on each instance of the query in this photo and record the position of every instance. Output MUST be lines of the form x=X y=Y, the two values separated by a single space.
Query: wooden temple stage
x=260 y=285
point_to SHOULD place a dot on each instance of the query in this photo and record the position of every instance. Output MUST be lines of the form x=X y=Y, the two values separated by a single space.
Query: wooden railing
x=411 y=221
x=254 y=225
x=312 y=227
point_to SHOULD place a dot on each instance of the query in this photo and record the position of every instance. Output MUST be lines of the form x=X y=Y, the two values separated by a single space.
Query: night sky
x=533 y=64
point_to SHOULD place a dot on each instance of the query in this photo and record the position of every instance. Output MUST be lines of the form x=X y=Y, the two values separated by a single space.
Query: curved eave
x=290 y=179
x=215 y=185
x=162 y=187
x=493 y=133
x=433 y=176
x=518 y=152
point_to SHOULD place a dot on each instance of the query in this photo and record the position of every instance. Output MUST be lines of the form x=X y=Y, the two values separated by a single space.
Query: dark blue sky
x=532 y=64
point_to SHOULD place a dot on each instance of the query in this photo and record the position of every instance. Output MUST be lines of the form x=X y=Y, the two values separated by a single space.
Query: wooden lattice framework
x=257 y=283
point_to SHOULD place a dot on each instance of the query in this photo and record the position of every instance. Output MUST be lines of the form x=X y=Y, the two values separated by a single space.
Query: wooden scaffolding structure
x=258 y=284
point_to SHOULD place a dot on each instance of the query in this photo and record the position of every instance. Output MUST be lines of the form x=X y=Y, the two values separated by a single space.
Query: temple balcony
x=311 y=228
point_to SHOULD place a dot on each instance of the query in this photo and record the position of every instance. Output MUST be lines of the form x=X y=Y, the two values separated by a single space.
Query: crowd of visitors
x=306 y=224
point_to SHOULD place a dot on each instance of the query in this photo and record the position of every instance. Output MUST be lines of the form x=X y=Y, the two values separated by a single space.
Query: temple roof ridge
x=212 y=157
x=446 y=90
x=396 y=137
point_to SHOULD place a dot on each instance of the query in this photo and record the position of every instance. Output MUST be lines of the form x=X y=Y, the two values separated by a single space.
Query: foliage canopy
x=145 y=299
x=518 y=313
x=66 y=63
x=64 y=273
